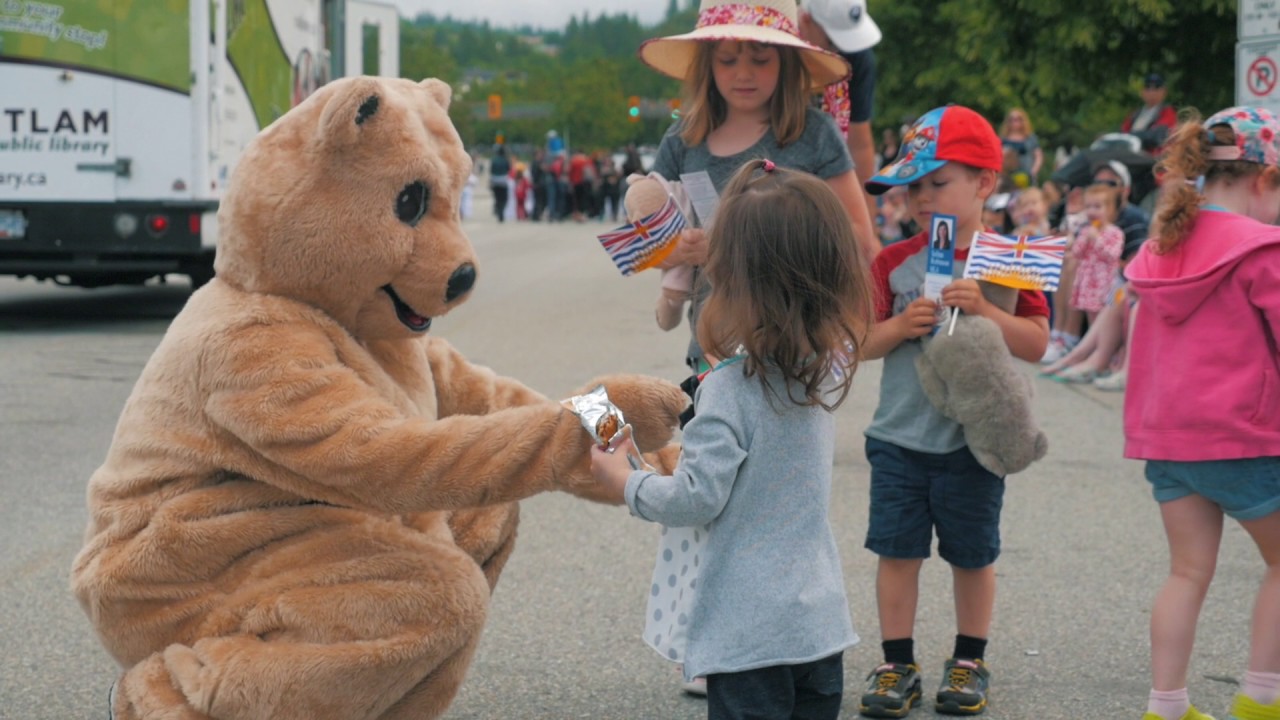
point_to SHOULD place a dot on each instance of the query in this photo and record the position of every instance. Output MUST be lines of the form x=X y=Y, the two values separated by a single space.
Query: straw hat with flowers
x=771 y=22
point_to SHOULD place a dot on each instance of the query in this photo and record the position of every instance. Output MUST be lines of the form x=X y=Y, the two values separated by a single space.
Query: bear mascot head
x=309 y=497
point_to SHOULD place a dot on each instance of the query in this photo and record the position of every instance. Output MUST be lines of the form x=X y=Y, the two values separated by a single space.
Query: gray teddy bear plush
x=971 y=378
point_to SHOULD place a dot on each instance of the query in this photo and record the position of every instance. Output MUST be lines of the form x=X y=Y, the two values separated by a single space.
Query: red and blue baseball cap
x=952 y=133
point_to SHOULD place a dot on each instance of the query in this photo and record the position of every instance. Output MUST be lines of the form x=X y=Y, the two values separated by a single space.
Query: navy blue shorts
x=912 y=493
x=1245 y=489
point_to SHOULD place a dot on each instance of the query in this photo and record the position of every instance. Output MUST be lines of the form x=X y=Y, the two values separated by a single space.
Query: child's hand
x=965 y=295
x=612 y=466
x=691 y=249
x=918 y=319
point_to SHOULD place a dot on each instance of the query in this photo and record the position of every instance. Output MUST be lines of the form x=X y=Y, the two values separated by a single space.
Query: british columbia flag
x=645 y=243
x=1026 y=262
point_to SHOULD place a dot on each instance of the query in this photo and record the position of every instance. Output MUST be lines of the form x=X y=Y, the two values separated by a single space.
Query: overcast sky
x=549 y=14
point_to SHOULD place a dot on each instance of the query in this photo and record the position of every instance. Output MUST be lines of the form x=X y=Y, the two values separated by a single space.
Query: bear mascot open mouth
x=309 y=498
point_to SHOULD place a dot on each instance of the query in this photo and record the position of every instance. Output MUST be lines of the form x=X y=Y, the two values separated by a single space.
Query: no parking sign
x=1257 y=73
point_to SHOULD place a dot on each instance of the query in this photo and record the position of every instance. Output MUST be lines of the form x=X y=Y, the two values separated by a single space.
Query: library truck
x=120 y=122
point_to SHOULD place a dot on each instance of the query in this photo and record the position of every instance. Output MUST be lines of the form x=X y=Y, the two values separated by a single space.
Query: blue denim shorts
x=913 y=493
x=1245 y=489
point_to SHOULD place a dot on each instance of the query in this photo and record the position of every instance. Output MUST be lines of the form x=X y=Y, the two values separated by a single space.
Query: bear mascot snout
x=309 y=497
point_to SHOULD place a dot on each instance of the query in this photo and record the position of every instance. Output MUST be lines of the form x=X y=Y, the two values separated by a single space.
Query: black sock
x=901 y=651
x=969 y=648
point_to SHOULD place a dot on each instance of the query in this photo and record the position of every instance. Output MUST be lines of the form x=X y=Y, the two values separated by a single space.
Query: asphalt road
x=1083 y=550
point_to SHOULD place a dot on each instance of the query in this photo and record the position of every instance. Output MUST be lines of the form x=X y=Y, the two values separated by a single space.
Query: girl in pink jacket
x=1203 y=402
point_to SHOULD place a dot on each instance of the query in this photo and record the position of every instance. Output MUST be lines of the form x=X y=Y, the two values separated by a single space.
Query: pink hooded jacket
x=1204 y=374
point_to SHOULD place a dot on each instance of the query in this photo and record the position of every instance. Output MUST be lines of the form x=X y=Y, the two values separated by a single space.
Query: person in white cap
x=846 y=28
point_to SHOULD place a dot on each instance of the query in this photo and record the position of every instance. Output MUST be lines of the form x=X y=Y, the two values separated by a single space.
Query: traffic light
x=633 y=108
x=495 y=107
x=675 y=108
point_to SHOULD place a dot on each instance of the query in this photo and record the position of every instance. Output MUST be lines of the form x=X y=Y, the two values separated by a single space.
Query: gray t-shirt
x=904 y=416
x=757 y=470
x=820 y=151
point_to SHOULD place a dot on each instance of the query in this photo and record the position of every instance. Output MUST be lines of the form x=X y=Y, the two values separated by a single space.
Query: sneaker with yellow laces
x=964 y=687
x=893 y=690
x=1191 y=714
x=1246 y=708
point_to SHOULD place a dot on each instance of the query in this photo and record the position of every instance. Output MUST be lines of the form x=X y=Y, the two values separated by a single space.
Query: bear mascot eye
x=411 y=203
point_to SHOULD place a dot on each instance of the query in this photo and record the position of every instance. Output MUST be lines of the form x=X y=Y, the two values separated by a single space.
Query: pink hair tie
x=768 y=166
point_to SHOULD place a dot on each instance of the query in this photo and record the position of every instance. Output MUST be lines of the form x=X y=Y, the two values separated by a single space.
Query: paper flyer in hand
x=1024 y=262
x=702 y=195
x=942 y=256
x=645 y=243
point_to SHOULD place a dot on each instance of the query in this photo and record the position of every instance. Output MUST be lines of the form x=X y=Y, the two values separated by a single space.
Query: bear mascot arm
x=303 y=510
x=321 y=431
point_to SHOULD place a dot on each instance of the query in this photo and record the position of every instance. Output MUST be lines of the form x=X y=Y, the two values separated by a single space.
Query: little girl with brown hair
x=789 y=308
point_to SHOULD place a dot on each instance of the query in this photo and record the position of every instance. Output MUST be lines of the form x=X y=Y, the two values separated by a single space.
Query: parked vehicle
x=121 y=122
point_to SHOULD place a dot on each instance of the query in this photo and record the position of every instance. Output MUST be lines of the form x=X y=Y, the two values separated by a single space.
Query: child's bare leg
x=1110 y=337
x=1079 y=353
x=897 y=592
x=1122 y=355
x=975 y=592
x=1193 y=526
x=1264 y=649
x=1062 y=310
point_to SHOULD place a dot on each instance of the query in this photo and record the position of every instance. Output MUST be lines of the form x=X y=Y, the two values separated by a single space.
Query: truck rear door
x=57 y=136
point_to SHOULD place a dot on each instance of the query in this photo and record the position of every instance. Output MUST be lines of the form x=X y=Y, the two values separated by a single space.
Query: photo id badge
x=941 y=261
x=942 y=256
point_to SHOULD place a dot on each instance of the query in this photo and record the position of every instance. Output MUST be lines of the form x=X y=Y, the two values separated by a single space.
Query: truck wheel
x=201 y=271
x=200 y=277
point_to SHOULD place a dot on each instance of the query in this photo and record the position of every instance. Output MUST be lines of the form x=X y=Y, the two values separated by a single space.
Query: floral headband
x=1257 y=135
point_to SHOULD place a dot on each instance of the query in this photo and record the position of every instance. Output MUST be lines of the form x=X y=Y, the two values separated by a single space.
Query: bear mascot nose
x=460 y=282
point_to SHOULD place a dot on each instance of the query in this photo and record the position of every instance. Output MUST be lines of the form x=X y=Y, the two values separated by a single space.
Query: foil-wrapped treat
x=601 y=418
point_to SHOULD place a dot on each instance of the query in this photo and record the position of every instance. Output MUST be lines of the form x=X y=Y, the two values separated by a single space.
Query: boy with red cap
x=923 y=476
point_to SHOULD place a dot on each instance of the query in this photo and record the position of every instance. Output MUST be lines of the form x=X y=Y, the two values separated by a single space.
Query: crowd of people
x=556 y=184
x=815 y=262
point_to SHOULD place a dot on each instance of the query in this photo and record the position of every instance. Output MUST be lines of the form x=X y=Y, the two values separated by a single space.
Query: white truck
x=120 y=122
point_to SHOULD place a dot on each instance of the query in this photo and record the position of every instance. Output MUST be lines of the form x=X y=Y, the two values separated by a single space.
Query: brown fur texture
x=971 y=378
x=308 y=500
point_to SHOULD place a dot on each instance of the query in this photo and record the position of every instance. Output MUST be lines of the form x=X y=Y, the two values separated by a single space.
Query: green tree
x=1076 y=67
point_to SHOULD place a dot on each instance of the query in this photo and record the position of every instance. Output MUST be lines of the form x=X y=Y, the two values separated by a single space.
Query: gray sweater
x=770 y=590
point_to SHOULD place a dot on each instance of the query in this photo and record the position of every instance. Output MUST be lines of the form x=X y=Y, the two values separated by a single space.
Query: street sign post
x=1258 y=54
x=1257 y=19
x=1257 y=72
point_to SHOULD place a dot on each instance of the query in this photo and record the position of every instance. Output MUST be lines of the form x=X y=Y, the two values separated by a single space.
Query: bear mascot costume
x=308 y=498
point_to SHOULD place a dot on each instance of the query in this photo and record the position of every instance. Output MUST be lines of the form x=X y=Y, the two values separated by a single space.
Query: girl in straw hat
x=748 y=79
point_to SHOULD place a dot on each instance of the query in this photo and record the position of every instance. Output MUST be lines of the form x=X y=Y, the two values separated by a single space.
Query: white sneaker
x=1054 y=352
x=1114 y=382
x=696 y=686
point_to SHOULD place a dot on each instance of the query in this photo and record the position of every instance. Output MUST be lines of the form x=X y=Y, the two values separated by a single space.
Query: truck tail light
x=157 y=225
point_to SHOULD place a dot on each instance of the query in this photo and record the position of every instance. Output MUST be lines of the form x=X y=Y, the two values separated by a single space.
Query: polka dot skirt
x=671 y=595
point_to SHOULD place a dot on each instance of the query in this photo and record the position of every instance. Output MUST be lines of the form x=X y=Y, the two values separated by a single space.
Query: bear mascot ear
x=439 y=90
x=351 y=111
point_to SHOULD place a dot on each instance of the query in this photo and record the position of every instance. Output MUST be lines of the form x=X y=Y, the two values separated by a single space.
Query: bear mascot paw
x=309 y=498
x=971 y=378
